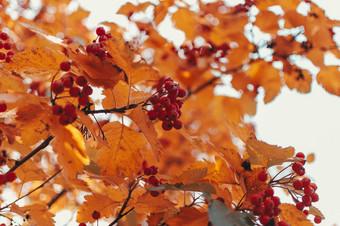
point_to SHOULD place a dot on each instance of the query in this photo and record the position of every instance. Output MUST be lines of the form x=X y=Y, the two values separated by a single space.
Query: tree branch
x=35 y=151
x=112 y=110
x=56 y=198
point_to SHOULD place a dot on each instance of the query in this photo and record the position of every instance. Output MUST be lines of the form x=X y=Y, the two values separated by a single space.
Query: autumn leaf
x=39 y=214
x=232 y=157
x=147 y=203
x=190 y=176
x=29 y=172
x=329 y=79
x=267 y=21
x=189 y=216
x=129 y=9
x=316 y=212
x=199 y=187
x=289 y=214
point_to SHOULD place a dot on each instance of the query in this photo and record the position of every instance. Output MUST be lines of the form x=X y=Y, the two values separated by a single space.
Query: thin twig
x=56 y=198
x=35 y=151
x=40 y=186
x=112 y=110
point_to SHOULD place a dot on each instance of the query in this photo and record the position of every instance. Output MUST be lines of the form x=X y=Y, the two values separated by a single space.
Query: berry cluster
x=152 y=171
x=77 y=87
x=8 y=177
x=245 y=7
x=7 y=46
x=166 y=106
x=266 y=206
x=97 y=48
x=193 y=53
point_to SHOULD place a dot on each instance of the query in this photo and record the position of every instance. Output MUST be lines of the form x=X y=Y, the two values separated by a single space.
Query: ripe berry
x=102 y=38
x=164 y=101
x=262 y=176
x=276 y=201
x=152 y=114
x=277 y=211
x=65 y=66
x=158 y=106
x=178 y=124
x=64 y=120
x=172 y=115
x=82 y=224
x=81 y=81
x=300 y=155
x=8 y=60
x=308 y=190
x=297 y=166
x=167 y=80
x=100 y=31
x=167 y=125
x=306 y=212
x=298 y=185
x=91 y=48
x=84 y=100
x=258 y=210
x=57 y=87
x=283 y=223
x=306 y=200
x=3 y=107
x=256 y=199
x=181 y=92
x=305 y=181
x=10 y=54
x=264 y=219
x=7 y=46
x=269 y=204
x=2 y=56
x=74 y=91
x=68 y=81
x=2 y=179
x=70 y=109
x=87 y=90
x=317 y=220
x=315 y=197
x=313 y=185
x=169 y=85
x=154 y=193
x=154 y=99
x=171 y=107
x=162 y=114
x=269 y=192
x=57 y=109
x=302 y=172
x=10 y=176
x=154 y=170
x=147 y=171
x=299 y=205
x=95 y=215
x=153 y=180
x=4 y=36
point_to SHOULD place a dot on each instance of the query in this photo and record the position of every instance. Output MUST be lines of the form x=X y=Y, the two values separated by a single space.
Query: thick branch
x=35 y=151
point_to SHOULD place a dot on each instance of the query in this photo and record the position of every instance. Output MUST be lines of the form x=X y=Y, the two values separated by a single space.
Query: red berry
x=298 y=185
x=4 y=36
x=299 y=205
x=87 y=90
x=317 y=220
x=277 y=211
x=102 y=38
x=171 y=107
x=276 y=201
x=172 y=115
x=108 y=35
x=164 y=101
x=10 y=54
x=70 y=109
x=74 y=91
x=82 y=224
x=95 y=215
x=152 y=114
x=147 y=171
x=167 y=125
x=169 y=85
x=256 y=199
x=57 y=109
x=10 y=176
x=81 y=81
x=297 y=166
x=162 y=114
x=167 y=80
x=283 y=223
x=269 y=204
x=1 y=45
x=258 y=210
x=306 y=212
x=315 y=197
x=84 y=100
x=154 y=193
x=65 y=66
x=68 y=82
x=64 y=120
x=57 y=87
x=264 y=219
x=154 y=99
x=269 y=192
x=308 y=190
x=300 y=155
x=3 y=107
x=154 y=170
x=2 y=56
x=153 y=180
x=302 y=172
x=181 y=92
x=313 y=185
x=306 y=200
x=262 y=176
x=2 y=179
x=7 y=46
x=91 y=48
x=305 y=181
x=158 y=107
x=8 y=60
x=100 y=31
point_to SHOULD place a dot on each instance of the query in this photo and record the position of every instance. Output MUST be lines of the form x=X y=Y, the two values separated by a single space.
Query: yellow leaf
x=261 y=153
x=11 y=83
x=296 y=78
x=40 y=61
x=70 y=147
x=190 y=176
x=139 y=116
x=123 y=157
x=329 y=79
x=128 y=9
x=29 y=172
x=232 y=157
x=294 y=216
x=38 y=214
x=96 y=202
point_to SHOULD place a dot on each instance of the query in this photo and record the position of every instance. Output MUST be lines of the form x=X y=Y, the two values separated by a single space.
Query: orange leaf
x=294 y=216
x=38 y=212
x=267 y=21
x=147 y=203
x=232 y=157
x=29 y=172
x=190 y=176
x=189 y=216
x=329 y=79
x=139 y=116
x=310 y=158
x=128 y=9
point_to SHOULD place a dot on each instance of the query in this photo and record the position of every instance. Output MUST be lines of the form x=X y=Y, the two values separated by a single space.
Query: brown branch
x=35 y=151
x=132 y=187
x=40 y=186
x=112 y=110
x=56 y=198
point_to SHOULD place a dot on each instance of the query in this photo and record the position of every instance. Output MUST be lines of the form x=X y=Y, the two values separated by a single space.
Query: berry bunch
x=8 y=177
x=77 y=86
x=7 y=54
x=166 y=106
x=152 y=171
x=97 y=48
x=266 y=207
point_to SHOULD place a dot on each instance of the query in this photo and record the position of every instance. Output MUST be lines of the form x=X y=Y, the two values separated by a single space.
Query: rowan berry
x=70 y=109
x=306 y=200
x=269 y=192
x=100 y=31
x=297 y=166
x=74 y=91
x=1 y=45
x=84 y=100
x=315 y=197
x=306 y=212
x=308 y=190
x=172 y=115
x=11 y=176
x=4 y=36
x=153 y=180
x=8 y=60
x=169 y=85
x=167 y=125
x=7 y=46
x=102 y=38
x=81 y=81
x=181 y=92
x=300 y=155
x=262 y=176
x=68 y=81
x=165 y=101
x=96 y=215
x=87 y=90
x=3 y=107
x=276 y=201
x=2 y=56
x=154 y=193
x=305 y=181
x=147 y=171
x=158 y=107
x=256 y=199
x=283 y=223
x=302 y=172
x=10 y=54
x=65 y=66
x=57 y=87
x=317 y=220
x=171 y=107
x=82 y=224
x=264 y=219
x=64 y=120
x=154 y=99
x=91 y=48
x=162 y=114
x=313 y=185
x=2 y=179
x=258 y=210
x=277 y=211
x=152 y=114
x=108 y=35
x=299 y=205
x=154 y=170
x=297 y=184
x=57 y=110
